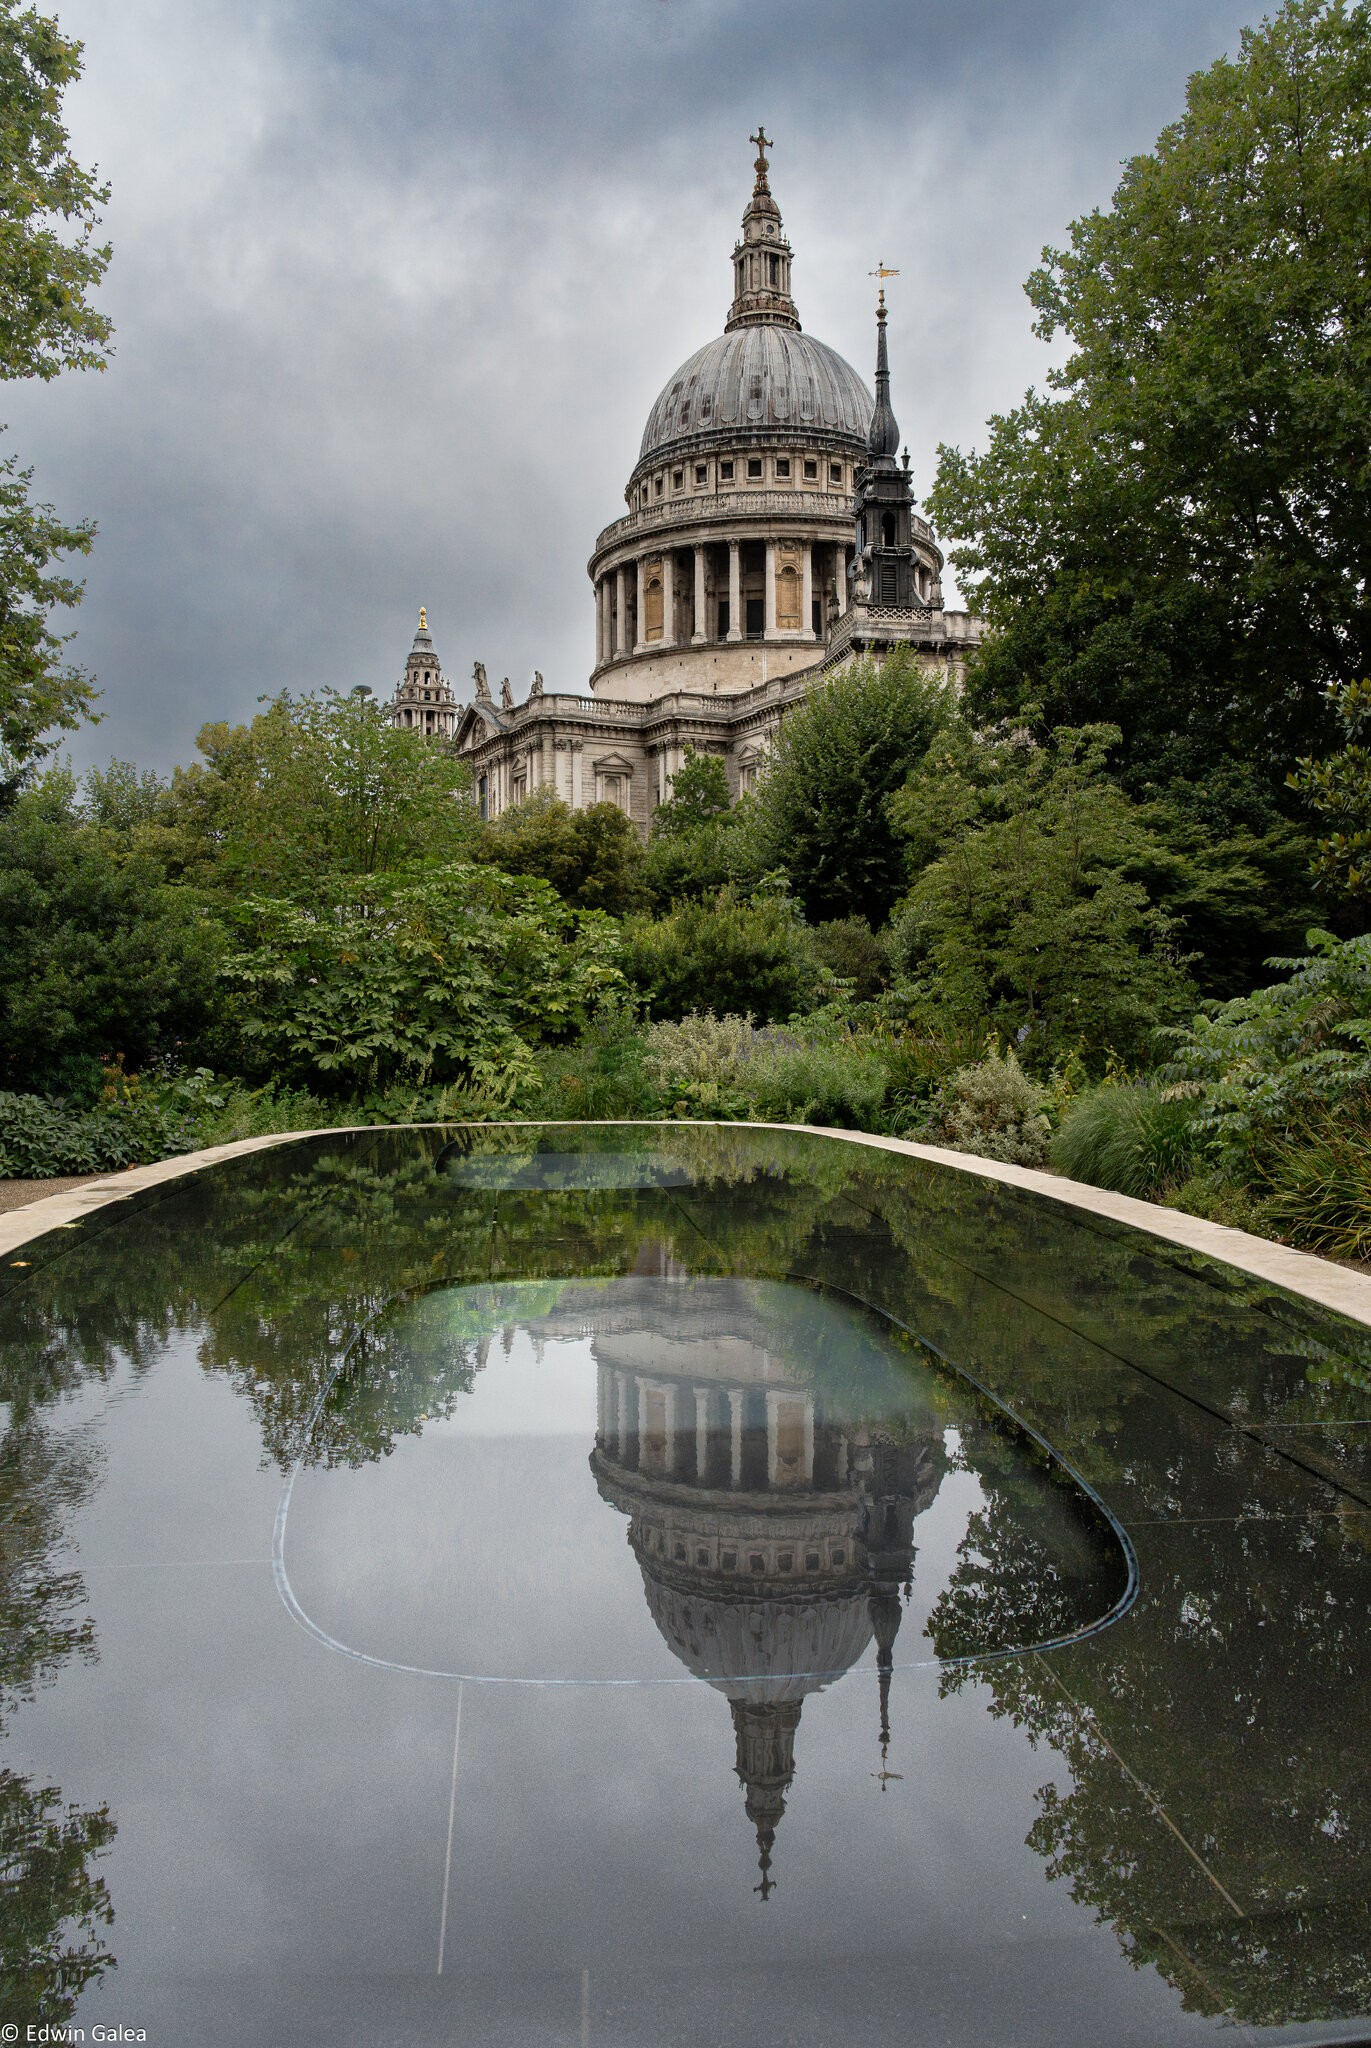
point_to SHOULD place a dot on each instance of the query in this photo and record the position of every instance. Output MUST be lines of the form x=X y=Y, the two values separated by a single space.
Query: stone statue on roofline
x=506 y=695
x=479 y=676
x=535 y=688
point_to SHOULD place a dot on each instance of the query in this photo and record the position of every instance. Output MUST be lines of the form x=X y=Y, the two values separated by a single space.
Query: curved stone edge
x=1320 y=1280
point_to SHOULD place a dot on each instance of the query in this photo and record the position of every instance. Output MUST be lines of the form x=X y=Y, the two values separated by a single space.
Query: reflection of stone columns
x=770 y=612
x=669 y=1403
x=701 y=1432
x=668 y=600
x=735 y=592
x=807 y=593
x=699 y=636
x=621 y=612
x=735 y=1429
x=639 y=627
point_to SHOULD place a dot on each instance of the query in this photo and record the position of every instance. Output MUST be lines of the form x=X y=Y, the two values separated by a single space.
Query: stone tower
x=424 y=698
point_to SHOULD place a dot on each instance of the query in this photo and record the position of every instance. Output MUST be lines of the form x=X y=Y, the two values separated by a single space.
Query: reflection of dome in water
x=773 y=1543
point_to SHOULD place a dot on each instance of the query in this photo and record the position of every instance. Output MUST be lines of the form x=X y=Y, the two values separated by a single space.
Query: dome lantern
x=761 y=260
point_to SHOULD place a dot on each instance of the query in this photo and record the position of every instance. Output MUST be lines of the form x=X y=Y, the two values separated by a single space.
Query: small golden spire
x=423 y=619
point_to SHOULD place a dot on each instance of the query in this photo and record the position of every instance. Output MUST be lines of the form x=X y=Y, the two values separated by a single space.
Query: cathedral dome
x=754 y=378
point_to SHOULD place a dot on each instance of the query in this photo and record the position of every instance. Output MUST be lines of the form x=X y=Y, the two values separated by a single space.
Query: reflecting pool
x=634 y=1585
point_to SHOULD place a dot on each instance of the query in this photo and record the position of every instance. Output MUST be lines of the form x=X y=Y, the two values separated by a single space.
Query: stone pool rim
x=1332 y=1286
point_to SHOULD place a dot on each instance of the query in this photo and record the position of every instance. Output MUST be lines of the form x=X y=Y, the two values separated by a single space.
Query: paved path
x=15 y=1194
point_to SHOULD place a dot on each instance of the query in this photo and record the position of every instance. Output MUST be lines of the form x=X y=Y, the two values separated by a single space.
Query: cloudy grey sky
x=396 y=282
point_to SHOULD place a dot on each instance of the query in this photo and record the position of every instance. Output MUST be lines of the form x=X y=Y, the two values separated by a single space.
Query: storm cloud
x=395 y=285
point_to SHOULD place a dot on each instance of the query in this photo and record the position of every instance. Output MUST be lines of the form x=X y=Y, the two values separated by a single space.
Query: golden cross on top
x=764 y=142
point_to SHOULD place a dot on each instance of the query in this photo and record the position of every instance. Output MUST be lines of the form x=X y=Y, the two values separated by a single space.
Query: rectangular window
x=701 y=473
x=783 y=465
x=811 y=472
x=654 y=592
x=723 y=618
x=726 y=472
x=816 y=614
x=754 y=465
x=835 y=472
x=789 y=589
x=659 y=482
x=677 y=479
x=756 y=618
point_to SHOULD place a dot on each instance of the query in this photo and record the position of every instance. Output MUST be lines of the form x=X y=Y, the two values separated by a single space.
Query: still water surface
x=702 y=1586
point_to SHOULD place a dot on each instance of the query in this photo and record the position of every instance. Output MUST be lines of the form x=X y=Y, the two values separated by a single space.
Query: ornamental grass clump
x=779 y=1073
x=1132 y=1137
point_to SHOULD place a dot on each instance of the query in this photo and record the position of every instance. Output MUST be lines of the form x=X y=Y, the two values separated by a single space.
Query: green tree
x=1029 y=918
x=821 y=805
x=1176 y=536
x=49 y=260
x=452 y=975
x=318 y=787
x=1338 y=790
x=731 y=958
x=699 y=796
x=593 y=858
x=99 y=954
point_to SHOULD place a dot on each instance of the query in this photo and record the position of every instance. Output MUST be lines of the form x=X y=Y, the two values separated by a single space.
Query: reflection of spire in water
x=765 y=1766
x=773 y=1542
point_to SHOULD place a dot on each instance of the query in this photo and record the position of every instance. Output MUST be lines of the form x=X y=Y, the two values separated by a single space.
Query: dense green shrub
x=1256 y=1065
x=602 y=1073
x=41 y=1139
x=821 y=804
x=724 y=956
x=99 y=955
x=1317 y=1182
x=853 y=954
x=730 y=1067
x=593 y=858
x=1028 y=918
x=993 y=1109
x=1131 y=1137
x=450 y=977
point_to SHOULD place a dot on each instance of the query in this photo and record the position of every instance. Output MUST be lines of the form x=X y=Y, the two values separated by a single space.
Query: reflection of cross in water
x=887 y=1777
x=768 y=1883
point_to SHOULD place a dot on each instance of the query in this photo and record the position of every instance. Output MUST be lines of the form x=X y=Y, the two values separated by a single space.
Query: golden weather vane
x=881 y=271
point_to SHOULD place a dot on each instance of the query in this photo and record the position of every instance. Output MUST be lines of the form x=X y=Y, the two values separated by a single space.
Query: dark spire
x=883 y=437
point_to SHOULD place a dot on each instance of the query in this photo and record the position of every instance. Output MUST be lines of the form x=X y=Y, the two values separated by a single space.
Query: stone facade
x=770 y=534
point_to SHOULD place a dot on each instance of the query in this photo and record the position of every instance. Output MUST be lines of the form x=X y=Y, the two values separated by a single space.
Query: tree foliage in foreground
x=1026 y=914
x=1338 y=790
x=820 y=809
x=99 y=955
x=593 y=858
x=315 y=788
x=1176 y=536
x=49 y=260
x=452 y=976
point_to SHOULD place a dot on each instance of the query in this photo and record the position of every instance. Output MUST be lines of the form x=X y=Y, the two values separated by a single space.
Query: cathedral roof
x=759 y=377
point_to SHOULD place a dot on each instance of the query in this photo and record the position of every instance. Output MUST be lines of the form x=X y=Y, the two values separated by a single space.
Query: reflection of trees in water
x=1236 y=1697
x=1234 y=1692
x=53 y=1907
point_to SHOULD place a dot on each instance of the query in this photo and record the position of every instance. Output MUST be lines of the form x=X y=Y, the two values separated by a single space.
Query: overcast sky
x=396 y=281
